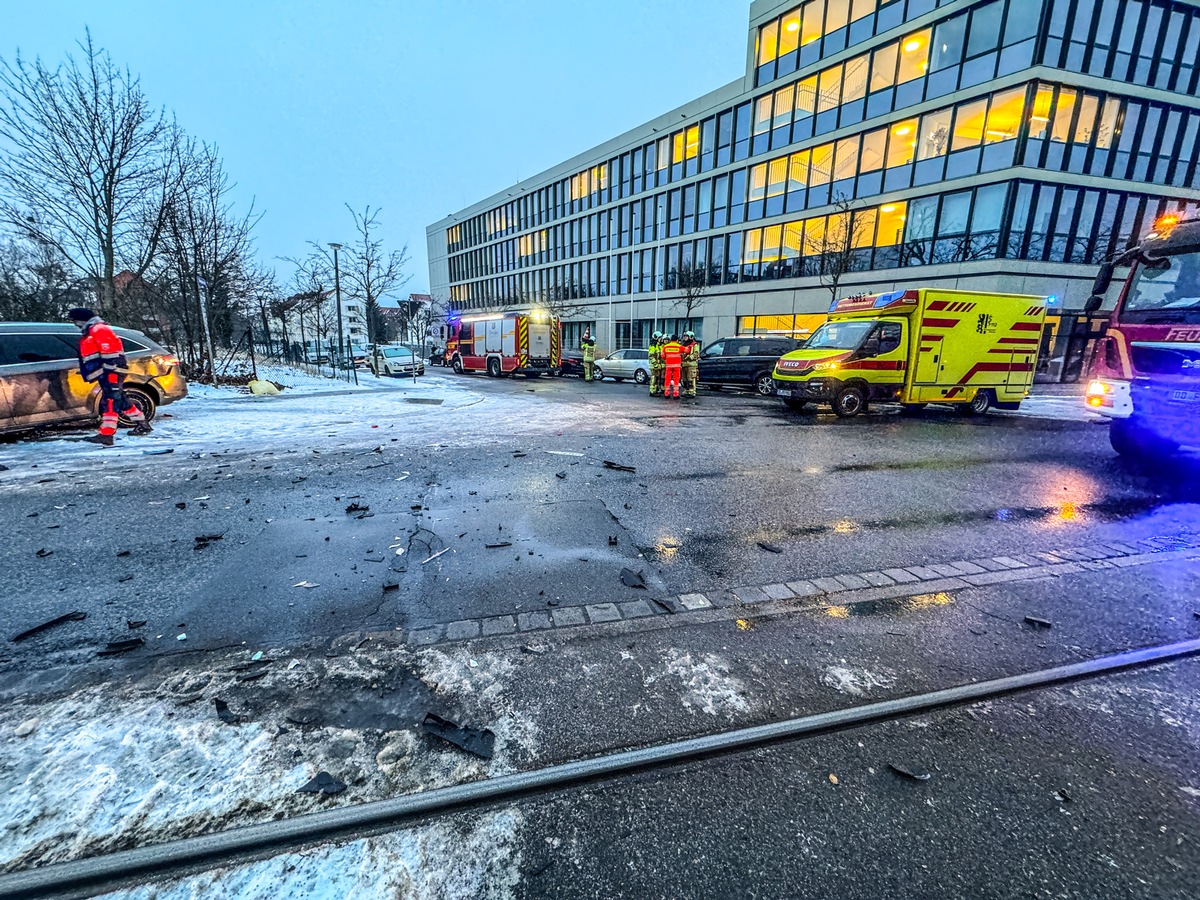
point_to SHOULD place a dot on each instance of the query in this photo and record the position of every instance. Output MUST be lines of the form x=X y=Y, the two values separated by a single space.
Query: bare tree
x=371 y=272
x=834 y=246
x=692 y=282
x=88 y=164
x=36 y=283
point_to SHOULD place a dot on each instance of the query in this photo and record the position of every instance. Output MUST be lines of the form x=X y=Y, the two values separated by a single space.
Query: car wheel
x=764 y=385
x=597 y=374
x=849 y=402
x=142 y=401
x=641 y=376
x=457 y=365
x=979 y=405
x=1133 y=440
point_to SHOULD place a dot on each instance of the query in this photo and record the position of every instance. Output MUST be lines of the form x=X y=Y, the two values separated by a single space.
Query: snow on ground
x=855 y=681
x=707 y=685
x=108 y=768
x=1069 y=408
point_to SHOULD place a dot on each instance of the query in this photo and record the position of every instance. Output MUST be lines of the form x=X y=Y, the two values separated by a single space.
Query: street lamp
x=337 y=287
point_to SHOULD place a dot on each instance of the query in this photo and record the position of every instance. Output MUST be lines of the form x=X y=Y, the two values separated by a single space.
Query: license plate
x=1185 y=396
x=783 y=392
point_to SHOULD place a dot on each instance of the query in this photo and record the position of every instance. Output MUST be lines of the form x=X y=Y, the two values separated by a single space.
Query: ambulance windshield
x=840 y=335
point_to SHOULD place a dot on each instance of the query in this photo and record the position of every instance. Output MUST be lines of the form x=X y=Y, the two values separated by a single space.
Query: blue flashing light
x=1052 y=300
x=888 y=299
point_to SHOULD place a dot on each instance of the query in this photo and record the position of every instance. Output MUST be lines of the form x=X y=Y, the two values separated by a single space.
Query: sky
x=416 y=108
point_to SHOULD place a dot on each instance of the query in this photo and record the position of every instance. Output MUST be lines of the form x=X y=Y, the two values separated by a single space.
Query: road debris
x=305 y=584
x=744 y=624
x=1062 y=796
x=833 y=779
x=477 y=741
x=74 y=616
x=43 y=553
x=131 y=624
x=669 y=604
x=391 y=586
x=561 y=475
x=322 y=783
x=181 y=637
x=117 y=647
x=1039 y=623
x=224 y=713
x=497 y=546
x=123 y=553
x=916 y=774
x=357 y=507
x=535 y=649
x=162 y=452
x=181 y=505
x=203 y=540
x=613 y=540
x=617 y=467
x=26 y=728
x=633 y=579
x=770 y=548
x=435 y=556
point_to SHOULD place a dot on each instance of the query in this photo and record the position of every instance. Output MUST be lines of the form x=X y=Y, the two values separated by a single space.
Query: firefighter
x=672 y=352
x=656 y=363
x=588 y=344
x=691 y=363
x=102 y=360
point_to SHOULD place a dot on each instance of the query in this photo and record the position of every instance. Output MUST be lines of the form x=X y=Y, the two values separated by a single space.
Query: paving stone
x=1028 y=560
x=925 y=573
x=533 y=621
x=991 y=565
x=803 y=588
x=425 y=636
x=694 y=601
x=568 y=616
x=829 y=585
x=1050 y=558
x=751 y=595
x=1072 y=555
x=1093 y=565
x=774 y=591
x=1097 y=552
x=853 y=582
x=462 y=630
x=966 y=568
x=946 y=570
x=878 y=579
x=499 y=625
x=669 y=604
x=1009 y=563
x=603 y=612
x=901 y=576
x=635 y=609
x=1123 y=549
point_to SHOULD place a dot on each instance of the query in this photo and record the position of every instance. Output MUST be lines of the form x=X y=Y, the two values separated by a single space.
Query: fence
x=249 y=359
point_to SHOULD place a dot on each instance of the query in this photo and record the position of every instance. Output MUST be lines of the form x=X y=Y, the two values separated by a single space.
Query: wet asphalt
x=729 y=490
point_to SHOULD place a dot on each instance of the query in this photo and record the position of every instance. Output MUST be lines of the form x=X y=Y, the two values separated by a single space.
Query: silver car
x=623 y=364
x=396 y=361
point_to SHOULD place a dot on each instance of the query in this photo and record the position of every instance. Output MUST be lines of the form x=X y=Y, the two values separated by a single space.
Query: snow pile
x=107 y=769
x=856 y=682
x=464 y=859
x=708 y=686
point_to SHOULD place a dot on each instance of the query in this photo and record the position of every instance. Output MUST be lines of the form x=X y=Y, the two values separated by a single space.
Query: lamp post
x=337 y=288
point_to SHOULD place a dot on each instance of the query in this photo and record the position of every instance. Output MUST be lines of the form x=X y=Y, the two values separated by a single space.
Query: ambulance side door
x=885 y=354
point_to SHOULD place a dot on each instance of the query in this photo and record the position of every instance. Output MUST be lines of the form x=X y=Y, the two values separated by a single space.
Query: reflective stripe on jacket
x=100 y=350
x=672 y=353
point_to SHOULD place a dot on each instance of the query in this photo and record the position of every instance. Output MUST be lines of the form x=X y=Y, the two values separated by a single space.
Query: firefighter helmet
x=658 y=335
x=690 y=335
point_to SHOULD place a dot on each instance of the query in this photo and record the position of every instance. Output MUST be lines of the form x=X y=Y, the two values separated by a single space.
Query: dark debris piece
x=43 y=553
x=913 y=772
x=391 y=586
x=203 y=540
x=181 y=506
x=770 y=548
x=617 y=467
x=357 y=508
x=75 y=616
x=323 y=783
x=669 y=604
x=115 y=648
x=560 y=475
x=1038 y=623
x=134 y=623
x=613 y=540
x=633 y=579
x=123 y=553
x=224 y=713
x=497 y=546
x=252 y=676
x=478 y=741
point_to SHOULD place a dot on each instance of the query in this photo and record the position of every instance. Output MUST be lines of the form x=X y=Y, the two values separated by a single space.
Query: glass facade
x=914 y=132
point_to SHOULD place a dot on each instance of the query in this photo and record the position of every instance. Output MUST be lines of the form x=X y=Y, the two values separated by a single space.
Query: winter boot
x=104 y=440
x=140 y=429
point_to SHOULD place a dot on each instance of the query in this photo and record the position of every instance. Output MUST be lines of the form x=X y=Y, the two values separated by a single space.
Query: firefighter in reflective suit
x=691 y=364
x=102 y=361
x=656 y=364
x=672 y=352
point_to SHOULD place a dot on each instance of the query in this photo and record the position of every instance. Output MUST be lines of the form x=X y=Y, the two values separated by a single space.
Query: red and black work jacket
x=100 y=351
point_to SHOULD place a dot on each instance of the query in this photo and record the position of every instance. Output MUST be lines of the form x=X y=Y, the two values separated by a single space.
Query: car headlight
x=826 y=367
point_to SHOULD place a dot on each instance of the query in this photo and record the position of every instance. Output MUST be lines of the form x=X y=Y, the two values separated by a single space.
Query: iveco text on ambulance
x=975 y=350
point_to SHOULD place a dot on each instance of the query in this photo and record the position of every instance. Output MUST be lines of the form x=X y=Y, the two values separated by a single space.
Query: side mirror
x=1093 y=304
x=1103 y=279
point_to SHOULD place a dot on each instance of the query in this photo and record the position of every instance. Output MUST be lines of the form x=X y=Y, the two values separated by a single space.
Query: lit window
x=762 y=115
x=692 y=148
x=862 y=233
x=873 y=146
x=1109 y=126
x=902 y=143
x=969 y=119
x=784 y=98
x=935 y=134
x=1063 y=111
x=768 y=43
x=770 y=245
x=854 y=86
x=890 y=228
x=829 y=93
x=798 y=171
x=806 y=98
x=789 y=34
x=758 y=182
x=845 y=158
x=837 y=15
x=914 y=56
x=883 y=67
x=778 y=176
x=752 y=251
x=1005 y=113
x=822 y=165
x=814 y=236
x=1086 y=123
x=810 y=21
x=793 y=237
x=678 y=142
x=1039 y=117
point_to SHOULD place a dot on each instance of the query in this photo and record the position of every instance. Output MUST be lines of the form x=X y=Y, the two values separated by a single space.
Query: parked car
x=40 y=382
x=571 y=363
x=396 y=361
x=744 y=361
x=624 y=364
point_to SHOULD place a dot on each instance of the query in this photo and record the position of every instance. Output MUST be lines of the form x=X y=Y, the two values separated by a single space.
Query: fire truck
x=525 y=343
x=1144 y=375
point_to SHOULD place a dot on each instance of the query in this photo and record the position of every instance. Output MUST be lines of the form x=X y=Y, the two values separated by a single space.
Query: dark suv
x=744 y=361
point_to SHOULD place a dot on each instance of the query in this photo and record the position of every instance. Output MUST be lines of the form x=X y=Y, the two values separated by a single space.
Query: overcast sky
x=420 y=108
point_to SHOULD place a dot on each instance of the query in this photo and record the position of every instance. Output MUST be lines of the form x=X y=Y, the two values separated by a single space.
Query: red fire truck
x=527 y=343
x=1145 y=370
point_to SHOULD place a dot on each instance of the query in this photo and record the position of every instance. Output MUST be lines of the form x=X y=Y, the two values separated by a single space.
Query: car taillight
x=166 y=360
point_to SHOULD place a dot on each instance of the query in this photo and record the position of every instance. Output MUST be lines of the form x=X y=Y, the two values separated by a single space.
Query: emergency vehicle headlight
x=826 y=367
x=1098 y=389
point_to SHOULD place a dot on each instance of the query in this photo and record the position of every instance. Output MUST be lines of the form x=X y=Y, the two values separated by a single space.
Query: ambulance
x=971 y=349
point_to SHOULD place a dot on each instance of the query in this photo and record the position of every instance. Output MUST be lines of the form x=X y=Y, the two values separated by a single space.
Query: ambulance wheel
x=850 y=402
x=493 y=369
x=142 y=401
x=979 y=405
x=641 y=377
x=457 y=365
x=764 y=385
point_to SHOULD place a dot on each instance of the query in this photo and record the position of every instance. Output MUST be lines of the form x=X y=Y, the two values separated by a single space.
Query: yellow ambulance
x=972 y=349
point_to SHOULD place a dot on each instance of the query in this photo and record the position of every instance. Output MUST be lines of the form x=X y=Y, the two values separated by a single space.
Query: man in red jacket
x=672 y=352
x=102 y=359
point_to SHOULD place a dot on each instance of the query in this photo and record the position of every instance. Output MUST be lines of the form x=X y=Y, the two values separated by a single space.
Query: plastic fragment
x=116 y=647
x=617 y=467
x=75 y=616
x=633 y=579
x=224 y=713
x=476 y=741
x=916 y=774
x=322 y=783
x=1038 y=623
x=770 y=548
